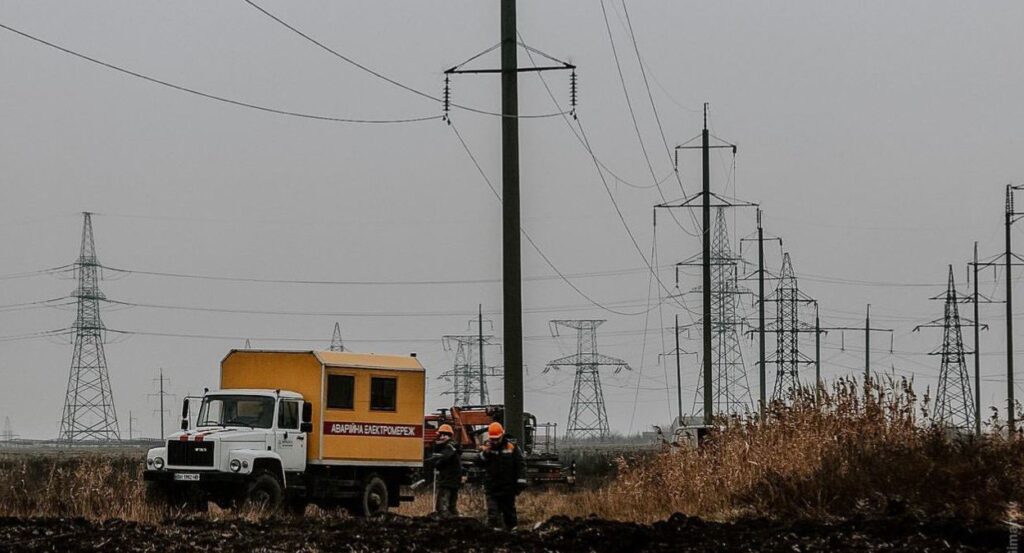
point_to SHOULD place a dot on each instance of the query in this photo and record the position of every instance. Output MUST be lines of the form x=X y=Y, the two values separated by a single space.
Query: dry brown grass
x=91 y=485
x=843 y=455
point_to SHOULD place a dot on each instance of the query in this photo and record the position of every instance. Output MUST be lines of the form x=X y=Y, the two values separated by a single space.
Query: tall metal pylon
x=787 y=328
x=469 y=372
x=7 y=435
x=954 y=402
x=89 y=413
x=730 y=386
x=588 y=417
x=336 y=342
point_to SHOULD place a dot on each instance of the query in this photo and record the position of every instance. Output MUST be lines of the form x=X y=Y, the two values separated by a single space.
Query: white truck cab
x=237 y=434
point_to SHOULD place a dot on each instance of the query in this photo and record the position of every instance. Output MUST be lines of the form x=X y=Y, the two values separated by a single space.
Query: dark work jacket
x=446 y=460
x=504 y=468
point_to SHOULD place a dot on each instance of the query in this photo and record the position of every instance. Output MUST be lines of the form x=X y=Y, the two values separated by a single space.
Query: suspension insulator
x=573 y=93
x=447 y=97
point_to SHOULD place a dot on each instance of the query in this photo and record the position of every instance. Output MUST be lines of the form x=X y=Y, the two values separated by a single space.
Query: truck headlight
x=149 y=462
x=158 y=463
x=235 y=465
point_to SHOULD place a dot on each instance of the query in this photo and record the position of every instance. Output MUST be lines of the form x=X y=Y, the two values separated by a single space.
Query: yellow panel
x=360 y=434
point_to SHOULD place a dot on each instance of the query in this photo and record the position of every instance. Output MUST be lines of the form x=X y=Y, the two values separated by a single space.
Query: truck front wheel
x=264 y=492
x=374 y=497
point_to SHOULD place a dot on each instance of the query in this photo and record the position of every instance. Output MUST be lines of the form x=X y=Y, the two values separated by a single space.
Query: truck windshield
x=251 y=411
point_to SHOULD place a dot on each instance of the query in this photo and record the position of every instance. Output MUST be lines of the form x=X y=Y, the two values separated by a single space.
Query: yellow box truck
x=290 y=428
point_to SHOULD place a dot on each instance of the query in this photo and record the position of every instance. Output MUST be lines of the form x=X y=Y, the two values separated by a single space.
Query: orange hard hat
x=445 y=429
x=495 y=431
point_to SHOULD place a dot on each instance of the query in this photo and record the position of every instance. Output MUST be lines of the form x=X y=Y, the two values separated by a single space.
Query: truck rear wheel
x=264 y=492
x=373 y=499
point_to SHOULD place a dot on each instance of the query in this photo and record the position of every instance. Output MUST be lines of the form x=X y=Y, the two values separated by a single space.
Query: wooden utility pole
x=1011 y=411
x=706 y=268
x=760 y=315
x=480 y=345
x=977 y=349
x=867 y=345
x=512 y=294
x=510 y=228
x=817 y=353
x=161 y=394
x=679 y=375
x=977 y=298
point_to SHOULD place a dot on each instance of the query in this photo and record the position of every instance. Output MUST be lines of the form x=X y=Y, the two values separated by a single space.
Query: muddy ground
x=401 y=534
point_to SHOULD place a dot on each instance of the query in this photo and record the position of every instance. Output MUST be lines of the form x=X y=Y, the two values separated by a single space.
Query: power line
x=629 y=231
x=380 y=75
x=534 y=244
x=209 y=96
x=34 y=335
x=632 y=114
x=654 y=108
x=26 y=274
x=198 y=276
x=354 y=314
x=54 y=302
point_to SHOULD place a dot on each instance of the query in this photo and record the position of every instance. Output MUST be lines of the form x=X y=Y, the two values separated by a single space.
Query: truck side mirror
x=307 y=417
x=184 y=414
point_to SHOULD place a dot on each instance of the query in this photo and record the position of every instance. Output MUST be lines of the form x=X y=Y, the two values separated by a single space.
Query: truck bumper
x=208 y=477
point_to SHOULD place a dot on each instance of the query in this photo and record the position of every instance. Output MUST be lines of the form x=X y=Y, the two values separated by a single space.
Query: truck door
x=290 y=443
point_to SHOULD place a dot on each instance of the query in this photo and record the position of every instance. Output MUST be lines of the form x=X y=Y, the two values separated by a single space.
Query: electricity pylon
x=469 y=373
x=336 y=343
x=729 y=384
x=787 y=328
x=7 y=435
x=588 y=417
x=89 y=413
x=954 y=403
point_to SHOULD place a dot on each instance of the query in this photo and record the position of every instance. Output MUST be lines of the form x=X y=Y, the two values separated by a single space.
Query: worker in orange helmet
x=504 y=476
x=446 y=461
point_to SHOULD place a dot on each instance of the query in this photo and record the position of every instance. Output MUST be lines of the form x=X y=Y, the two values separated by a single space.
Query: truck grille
x=190 y=454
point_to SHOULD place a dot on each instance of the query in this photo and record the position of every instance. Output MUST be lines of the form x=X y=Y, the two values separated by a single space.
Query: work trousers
x=501 y=511
x=446 y=502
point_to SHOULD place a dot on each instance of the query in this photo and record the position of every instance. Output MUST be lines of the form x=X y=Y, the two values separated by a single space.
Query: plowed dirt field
x=402 y=534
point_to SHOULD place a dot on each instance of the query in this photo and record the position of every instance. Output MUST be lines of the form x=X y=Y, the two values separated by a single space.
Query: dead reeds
x=845 y=452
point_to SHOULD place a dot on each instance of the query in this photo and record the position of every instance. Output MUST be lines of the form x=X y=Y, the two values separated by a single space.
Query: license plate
x=187 y=476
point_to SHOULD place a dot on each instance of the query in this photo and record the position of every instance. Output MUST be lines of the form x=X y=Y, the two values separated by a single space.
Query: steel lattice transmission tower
x=954 y=401
x=336 y=342
x=588 y=417
x=89 y=413
x=787 y=328
x=469 y=372
x=7 y=435
x=731 y=393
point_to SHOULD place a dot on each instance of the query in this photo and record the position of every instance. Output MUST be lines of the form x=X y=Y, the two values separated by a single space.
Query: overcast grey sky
x=877 y=136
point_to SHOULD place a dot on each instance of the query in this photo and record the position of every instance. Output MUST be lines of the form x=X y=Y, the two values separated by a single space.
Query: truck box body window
x=254 y=411
x=383 y=394
x=340 y=391
x=288 y=416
